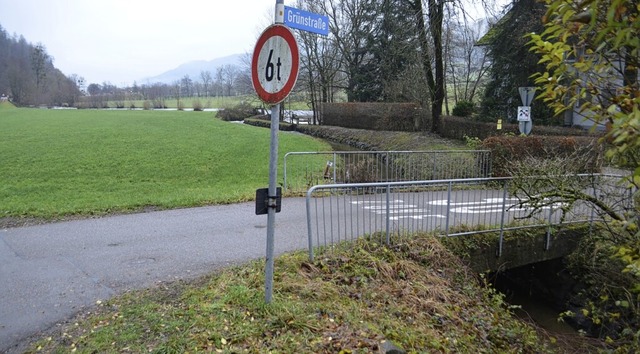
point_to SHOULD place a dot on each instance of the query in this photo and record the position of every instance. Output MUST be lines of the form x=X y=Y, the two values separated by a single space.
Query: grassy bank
x=58 y=163
x=4 y=105
x=372 y=140
x=415 y=295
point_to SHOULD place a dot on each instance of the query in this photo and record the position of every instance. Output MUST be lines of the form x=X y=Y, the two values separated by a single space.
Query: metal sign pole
x=273 y=176
x=271 y=215
x=526 y=95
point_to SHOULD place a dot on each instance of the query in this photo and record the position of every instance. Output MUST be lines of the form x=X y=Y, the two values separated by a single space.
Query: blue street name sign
x=306 y=21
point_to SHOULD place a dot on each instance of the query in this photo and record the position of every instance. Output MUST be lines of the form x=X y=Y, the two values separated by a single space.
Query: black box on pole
x=263 y=200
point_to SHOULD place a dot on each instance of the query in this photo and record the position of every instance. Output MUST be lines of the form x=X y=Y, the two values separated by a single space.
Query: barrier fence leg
x=446 y=227
x=388 y=214
x=547 y=241
x=504 y=212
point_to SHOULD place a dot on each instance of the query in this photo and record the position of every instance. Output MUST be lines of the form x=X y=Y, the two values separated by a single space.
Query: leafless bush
x=197 y=105
x=362 y=171
x=159 y=103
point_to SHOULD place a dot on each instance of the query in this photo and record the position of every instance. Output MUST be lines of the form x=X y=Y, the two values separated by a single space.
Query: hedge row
x=265 y=122
x=458 y=128
x=584 y=151
x=367 y=139
x=374 y=115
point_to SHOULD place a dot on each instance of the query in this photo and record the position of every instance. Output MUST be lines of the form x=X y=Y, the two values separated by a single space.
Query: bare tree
x=351 y=23
x=321 y=63
x=320 y=70
x=197 y=89
x=177 y=92
x=79 y=82
x=467 y=64
x=243 y=82
x=186 y=86
x=207 y=80
x=158 y=94
x=219 y=82
x=229 y=75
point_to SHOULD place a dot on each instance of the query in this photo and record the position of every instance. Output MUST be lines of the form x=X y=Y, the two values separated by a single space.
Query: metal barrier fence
x=305 y=169
x=344 y=212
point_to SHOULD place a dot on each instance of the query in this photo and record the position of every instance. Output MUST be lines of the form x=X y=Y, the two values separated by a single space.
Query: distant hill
x=193 y=69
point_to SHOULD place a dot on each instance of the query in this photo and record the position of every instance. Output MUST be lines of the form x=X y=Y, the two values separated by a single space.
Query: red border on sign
x=287 y=35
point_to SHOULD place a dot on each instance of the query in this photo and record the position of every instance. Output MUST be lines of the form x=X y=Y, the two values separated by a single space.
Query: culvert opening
x=539 y=292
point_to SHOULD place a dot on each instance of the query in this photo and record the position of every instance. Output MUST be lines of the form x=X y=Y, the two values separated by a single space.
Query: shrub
x=608 y=304
x=506 y=149
x=197 y=105
x=159 y=103
x=457 y=128
x=237 y=113
x=473 y=143
x=146 y=105
x=261 y=121
x=362 y=171
x=464 y=109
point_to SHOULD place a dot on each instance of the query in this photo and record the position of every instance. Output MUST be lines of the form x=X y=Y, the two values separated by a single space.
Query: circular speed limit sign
x=275 y=64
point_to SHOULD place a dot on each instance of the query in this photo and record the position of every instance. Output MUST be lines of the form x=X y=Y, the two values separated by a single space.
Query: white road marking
x=487 y=205
x=369 y=202
x=409 y=211
x=443 y=202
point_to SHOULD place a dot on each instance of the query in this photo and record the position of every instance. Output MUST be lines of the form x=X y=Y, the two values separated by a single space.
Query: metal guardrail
x=454 y=207
x=305 y=169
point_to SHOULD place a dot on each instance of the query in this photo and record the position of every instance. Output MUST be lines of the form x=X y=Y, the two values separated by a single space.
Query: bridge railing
x=305 y=169
x=453 y=207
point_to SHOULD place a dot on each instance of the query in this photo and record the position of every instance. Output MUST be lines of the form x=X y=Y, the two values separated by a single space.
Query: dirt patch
x=8 y=222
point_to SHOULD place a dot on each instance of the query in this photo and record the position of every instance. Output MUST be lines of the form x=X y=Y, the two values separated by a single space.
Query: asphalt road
x=50 y=272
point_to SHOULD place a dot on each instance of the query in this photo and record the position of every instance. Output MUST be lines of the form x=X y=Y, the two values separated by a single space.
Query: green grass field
x=56 y=163
x=214 y=102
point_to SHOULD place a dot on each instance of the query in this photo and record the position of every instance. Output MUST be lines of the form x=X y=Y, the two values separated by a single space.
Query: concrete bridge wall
x=519 y=249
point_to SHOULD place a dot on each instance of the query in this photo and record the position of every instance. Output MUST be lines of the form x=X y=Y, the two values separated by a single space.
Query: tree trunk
x=436 y=86
x=436 y=10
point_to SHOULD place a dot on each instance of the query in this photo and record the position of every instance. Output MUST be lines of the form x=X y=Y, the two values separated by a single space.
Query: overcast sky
x=120 y=41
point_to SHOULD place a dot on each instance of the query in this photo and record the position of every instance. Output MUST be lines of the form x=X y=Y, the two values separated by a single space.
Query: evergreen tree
x=513 y=63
